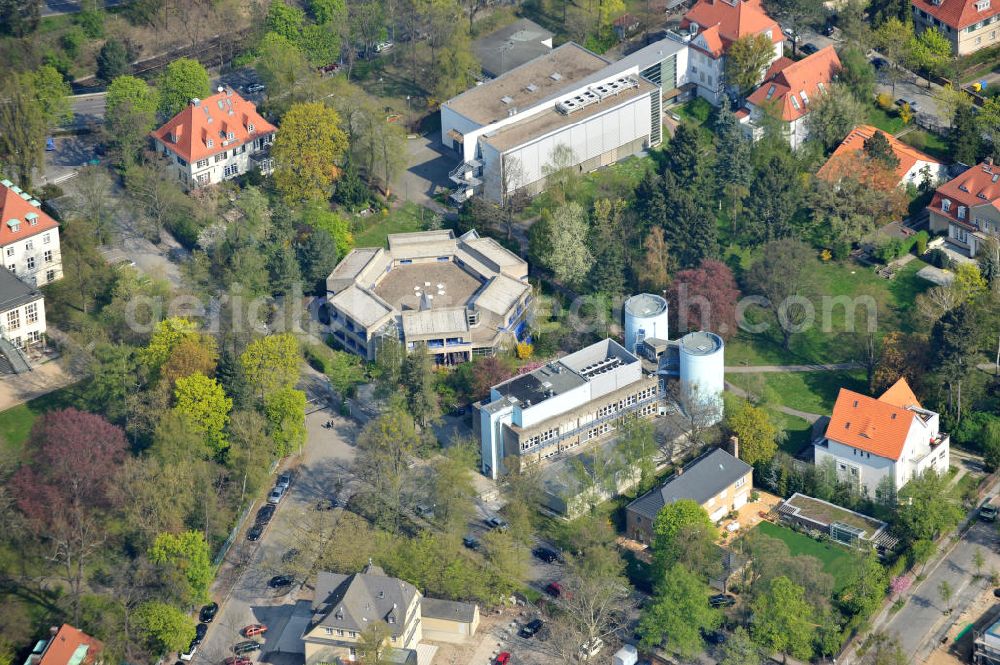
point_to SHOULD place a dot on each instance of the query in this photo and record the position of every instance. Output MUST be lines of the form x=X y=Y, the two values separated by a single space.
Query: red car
x=236 y=660
x=554 y=589
x=254 y=629
x=502 y=659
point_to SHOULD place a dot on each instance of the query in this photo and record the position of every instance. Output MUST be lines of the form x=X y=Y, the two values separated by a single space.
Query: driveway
x=71 y=154
x=327 y=456
x=427 y=166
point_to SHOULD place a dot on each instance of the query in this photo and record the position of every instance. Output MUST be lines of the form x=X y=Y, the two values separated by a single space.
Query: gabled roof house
x=969 y=25
x=714 y=26
x=968 y=208
x=788 y=89
x=886 y=440
x=913 y=169
x=66 y=646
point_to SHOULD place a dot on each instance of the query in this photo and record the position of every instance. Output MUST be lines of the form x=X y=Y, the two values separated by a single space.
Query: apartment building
x=29 y=238
x=967 y=208
x=216 y=139
x=969 y=25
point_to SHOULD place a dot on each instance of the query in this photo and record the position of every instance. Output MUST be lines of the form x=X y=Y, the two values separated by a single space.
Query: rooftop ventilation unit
x=555 y=76
x=596 y=93
x=531 y=87
x=506 y=100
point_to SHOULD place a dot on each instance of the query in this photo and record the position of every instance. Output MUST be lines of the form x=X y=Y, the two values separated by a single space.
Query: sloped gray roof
x=511 y=46
x=436 y=608
x=700 y=481
x=14 y=292
x=354 y=602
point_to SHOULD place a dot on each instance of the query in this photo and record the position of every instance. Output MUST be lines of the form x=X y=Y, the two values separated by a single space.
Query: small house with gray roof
x=716 y=481
x=344 y=606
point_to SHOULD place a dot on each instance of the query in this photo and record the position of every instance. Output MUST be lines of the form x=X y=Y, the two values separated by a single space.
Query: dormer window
x=250 y=128
x=946 y=205
x=805 y=99
x=381 y=594
x=795 y=102
x=963 y=187
x=392 y=619
x=14 y=225
x=32 y=219
x=961 y=212
x=210 y=143
x=982 y=5
x=822 y=88
x=230 y=136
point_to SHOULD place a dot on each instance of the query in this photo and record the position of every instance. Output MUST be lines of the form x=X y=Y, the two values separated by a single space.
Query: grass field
x=373 y=231
x=812 y=392
x=15 y=423
x=836 y=560
x=886 y=121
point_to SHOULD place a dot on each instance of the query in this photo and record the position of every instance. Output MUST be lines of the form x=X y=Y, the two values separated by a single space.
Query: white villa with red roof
x=215 y=139
x=968 y=207
x=789 y=87
x=714 y=26
x=968 y=24
x=29 y=238
x=914 y=166
x=893 y=436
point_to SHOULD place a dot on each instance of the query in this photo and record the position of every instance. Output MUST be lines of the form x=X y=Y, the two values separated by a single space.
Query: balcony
x=262 y=160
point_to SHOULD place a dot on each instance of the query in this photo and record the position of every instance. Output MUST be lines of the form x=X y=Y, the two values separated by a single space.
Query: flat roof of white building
x=524 y=87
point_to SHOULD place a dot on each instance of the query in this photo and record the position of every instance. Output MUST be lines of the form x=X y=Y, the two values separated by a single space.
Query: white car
x=255 y=87
x=276 y=495
x=589 y=650
x=190 y=653
x=383 y=46
x=284 y=480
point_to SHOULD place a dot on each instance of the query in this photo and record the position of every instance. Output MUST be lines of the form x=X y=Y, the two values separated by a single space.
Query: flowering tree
x=899 y=585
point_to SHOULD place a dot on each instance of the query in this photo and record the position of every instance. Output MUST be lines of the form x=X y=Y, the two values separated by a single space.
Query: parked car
x=554 y=589
x=470 y=542
x=265 y=513
x=988 y=511
x=590 y=649
x=503 y=658
x=275 y=496
x=254 y=629
x=50 y=144
x=290 y=555
x=829 y=29
x=903 y=102
x=236 y=660
x=714 y=636
x=208 y=612
x=879 y=63
x=529 y=629
x=199 y=632
x=383 y=46
x=284 y=480
x=189 y=654
x=996 y=592
x=722 y=600
x=545 y=554
x=256 y=87
x=247 y=646
x=424 y=510
x=280 y=581
x=255 y=532
x=497 y=523
x=809 y=48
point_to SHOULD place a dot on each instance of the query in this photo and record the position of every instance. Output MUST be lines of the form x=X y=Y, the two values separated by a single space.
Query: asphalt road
x=57 y=7
x=922 y=621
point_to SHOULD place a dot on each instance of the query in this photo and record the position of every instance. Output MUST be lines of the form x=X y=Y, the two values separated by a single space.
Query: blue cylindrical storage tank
x=645 y=316
x=703 y=368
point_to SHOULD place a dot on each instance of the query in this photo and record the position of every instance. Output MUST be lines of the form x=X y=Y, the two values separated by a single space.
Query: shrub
x=185 y=230
x=920 y=242
x=91 y=22
x=884 y=101
x=937 y=258
x=73 y=40
x=699 y=109
x=841 y=250
x=889 y=250
x=917 y=139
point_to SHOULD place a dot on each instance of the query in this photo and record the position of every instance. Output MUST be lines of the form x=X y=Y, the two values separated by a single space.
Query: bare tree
x=512 y=191
x=692 y=413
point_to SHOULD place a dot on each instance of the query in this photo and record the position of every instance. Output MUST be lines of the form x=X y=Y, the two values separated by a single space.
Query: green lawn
x=15 y=423
x=372 y=231
x=887 y=122
x=798 y=432
x=836 y=560
x=812 y=392
x=933 y=144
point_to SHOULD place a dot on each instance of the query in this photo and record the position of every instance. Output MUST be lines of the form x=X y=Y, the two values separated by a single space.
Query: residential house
x=914 y=168
x=890 y=437
x=625 y=25
x=215 y=139
x=344 y=606
x=714 y=25
x=788 y=88
x=968 y=207
x=511 y=46
x=22 y=320
x=717 y=481
x=29 y=238
x=66 y=645
x=969 y=25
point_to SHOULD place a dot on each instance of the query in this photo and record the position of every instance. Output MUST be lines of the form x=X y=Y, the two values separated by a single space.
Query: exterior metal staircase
x=16 y=361
x=467 y=177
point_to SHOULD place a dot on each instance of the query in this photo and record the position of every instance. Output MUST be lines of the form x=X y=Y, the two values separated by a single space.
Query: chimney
x=988 y=161
x=195 y=101
x=734 y=446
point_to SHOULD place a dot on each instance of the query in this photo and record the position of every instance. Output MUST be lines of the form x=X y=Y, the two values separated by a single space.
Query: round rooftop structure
x=701 y=343
x=645 y=316
x=702 y=370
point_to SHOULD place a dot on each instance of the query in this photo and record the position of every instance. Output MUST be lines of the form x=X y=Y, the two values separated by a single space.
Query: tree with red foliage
x=487 y=372
x=63 y=488
x=704 y=298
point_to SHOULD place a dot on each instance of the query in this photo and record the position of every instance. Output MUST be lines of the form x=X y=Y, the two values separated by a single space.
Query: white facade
x=709 y=72
x=24 y=325
x=702 y=372
x=36 y=259
x=933 y=172
x=646 y=316
x=225 y=165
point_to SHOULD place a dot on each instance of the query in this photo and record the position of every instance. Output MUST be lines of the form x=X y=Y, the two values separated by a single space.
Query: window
x=50 y=276
x=329 y=631
x=250 y=128
x=805 y=99
x=230 y=136
x=961 y=212
x=822 y=88
x=231 y=170
x=739 y=483
x=34 y=337
x=945 y=205
x=221 y=156
x=795 y=102
x=48 y=256
x=12 y=268
x=960 y=234
x=202 y=163
x=14 y=225
x=46 y=239
x=29 y=245
x=31 y=313
x=31 y=263
x=982 y=5
x=210 y=143
x=13 y=319
x=10 y=251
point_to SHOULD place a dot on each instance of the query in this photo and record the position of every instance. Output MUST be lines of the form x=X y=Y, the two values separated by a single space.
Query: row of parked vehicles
x=266 y=511
x=205 y=617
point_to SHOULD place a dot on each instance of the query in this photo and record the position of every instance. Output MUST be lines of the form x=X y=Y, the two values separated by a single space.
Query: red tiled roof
x=958 y=14
x=978 y=186
x=854 y=144
x=713 y=40
x=732 y=21
x=878 y=426
x=187 y=134
x=13 y=206
x=788 y=81
x=62 y=647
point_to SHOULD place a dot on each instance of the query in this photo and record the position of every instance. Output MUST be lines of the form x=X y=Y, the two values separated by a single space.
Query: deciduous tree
x=165 y=627
x=782 y=619
x=784 y=278
x=183 y=80
x=204 y=403
x=747 y=60
x=130 y=115
x=271 y=363
x=285 y=410
x=756 y=433
x=833 y=115
x=704 y=298
x=385 y=447
x=678 y=614
x=569 y=257
x=188 y=554
x=307 y=152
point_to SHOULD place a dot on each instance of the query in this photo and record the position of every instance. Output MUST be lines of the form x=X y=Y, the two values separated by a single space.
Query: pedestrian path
x=760 y=369
x=805 y=415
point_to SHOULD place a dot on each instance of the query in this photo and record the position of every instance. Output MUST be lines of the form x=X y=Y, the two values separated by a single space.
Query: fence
x=235 y=532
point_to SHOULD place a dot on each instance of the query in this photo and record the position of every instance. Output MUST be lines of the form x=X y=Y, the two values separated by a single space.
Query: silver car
x=276 y=495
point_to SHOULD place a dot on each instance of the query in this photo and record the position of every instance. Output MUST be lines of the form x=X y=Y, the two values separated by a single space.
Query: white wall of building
x=36 y=259
x=25 y=324
x=869 y=471
x=223 y=166
x=450 y=119
x=938 y=172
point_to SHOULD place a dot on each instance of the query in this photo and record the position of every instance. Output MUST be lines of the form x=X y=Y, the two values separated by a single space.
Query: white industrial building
x=563 y=405
x=645 y=318
x=569 y=101
x=696 y=362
